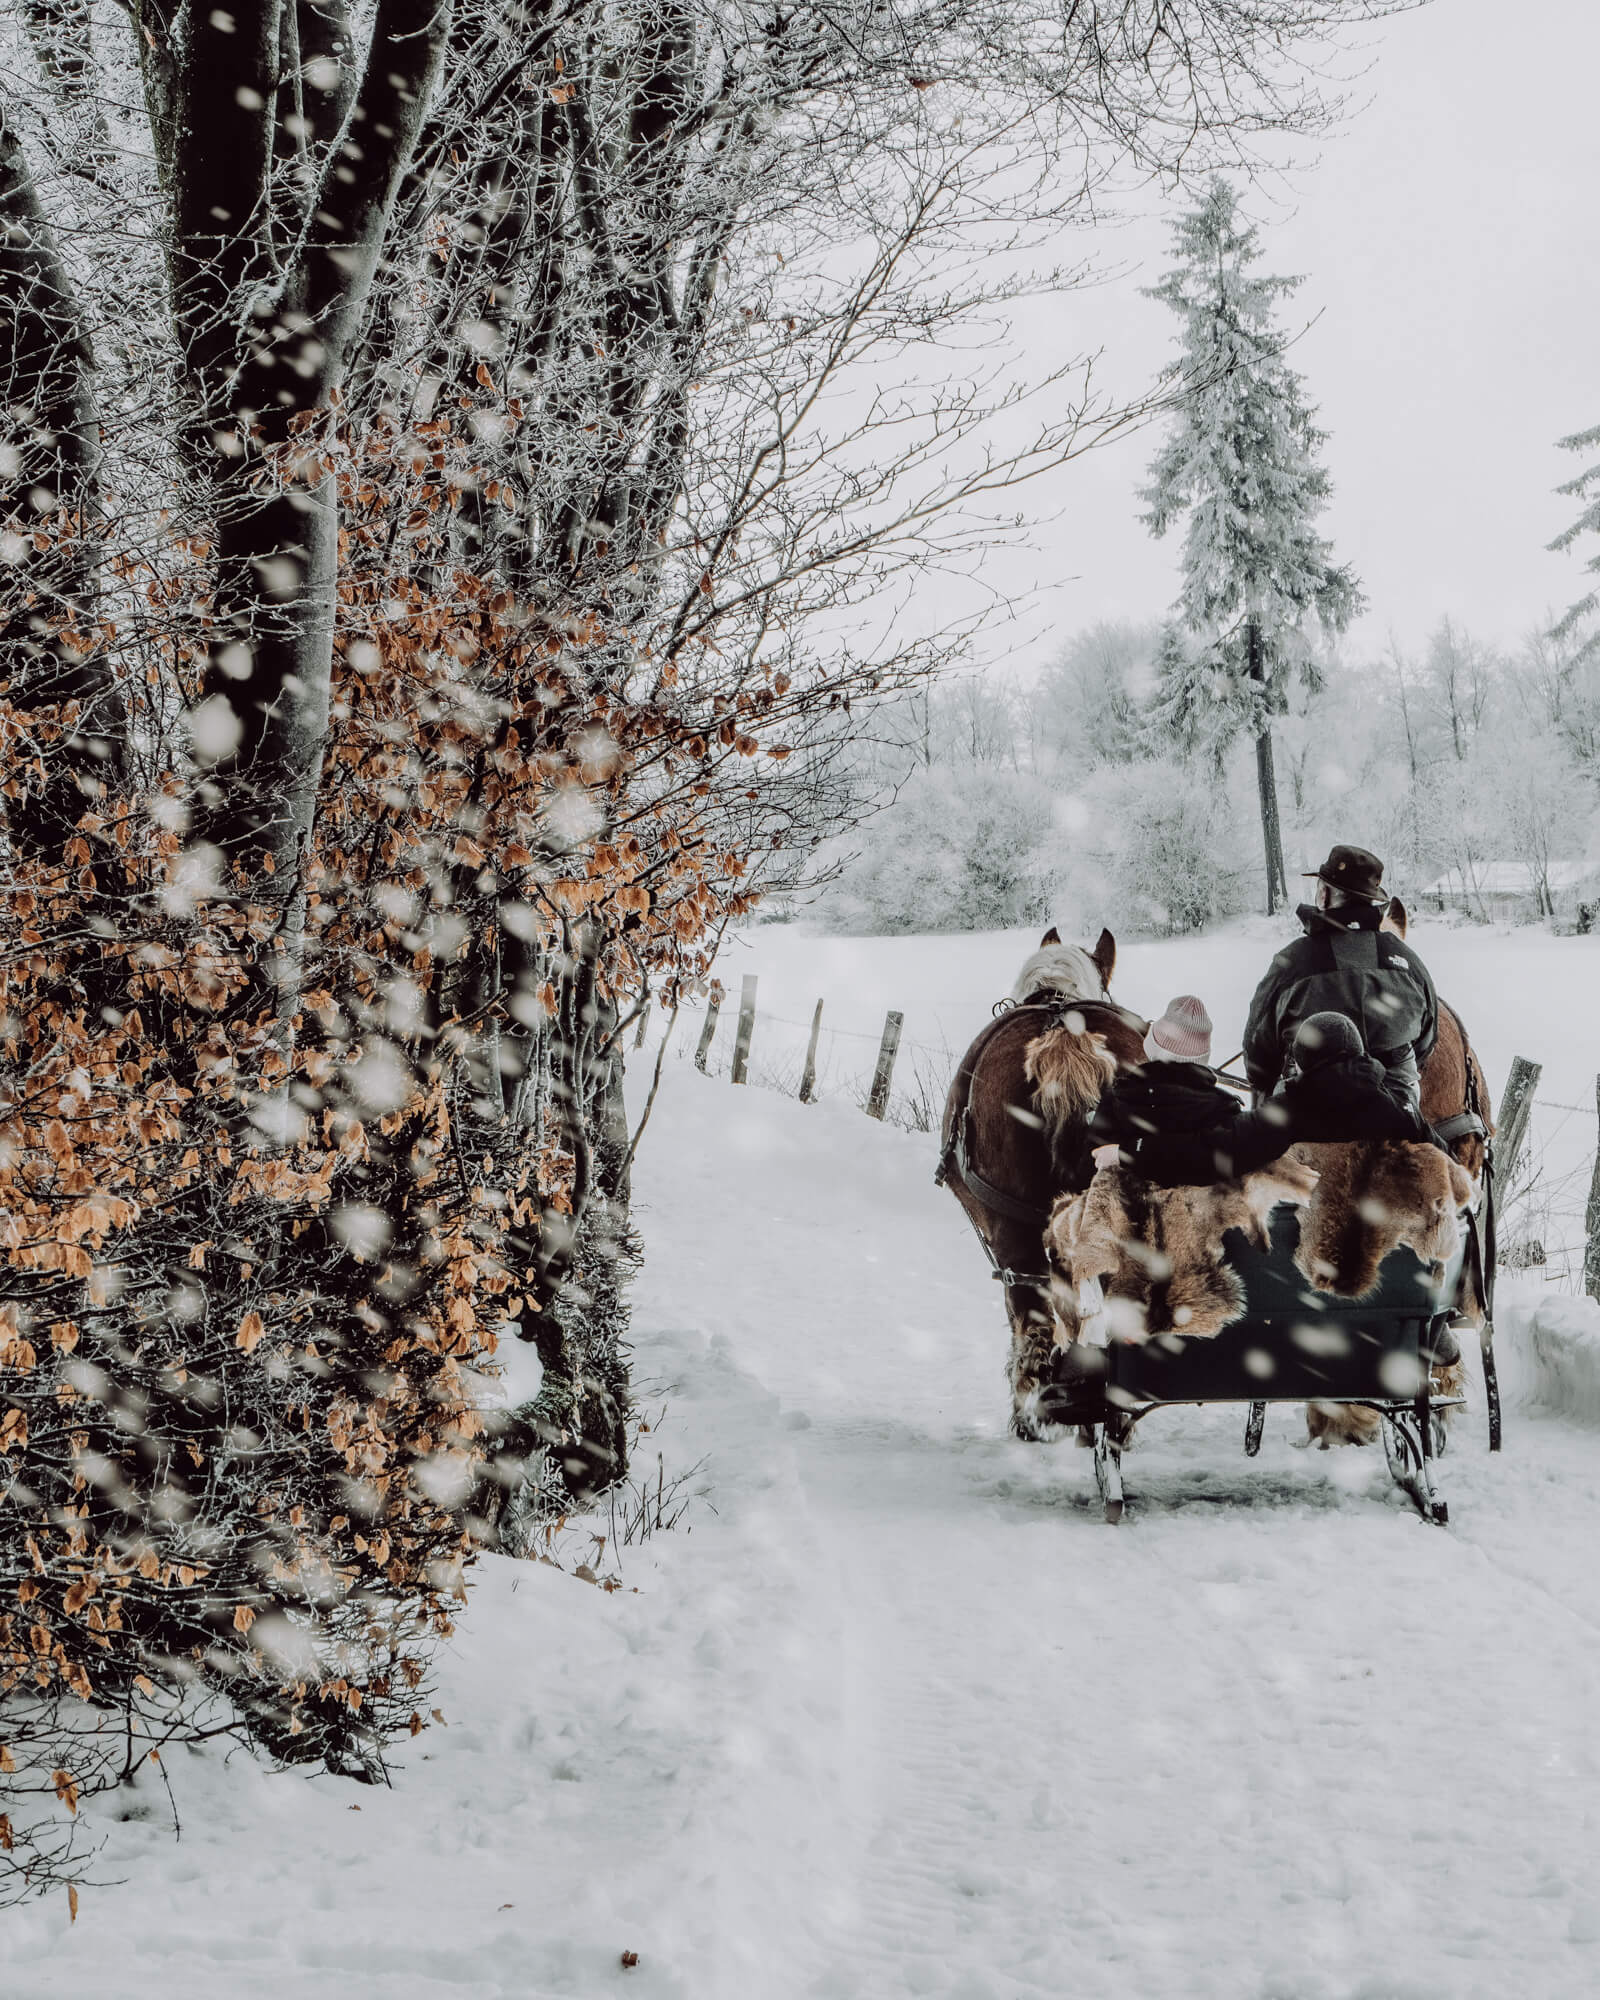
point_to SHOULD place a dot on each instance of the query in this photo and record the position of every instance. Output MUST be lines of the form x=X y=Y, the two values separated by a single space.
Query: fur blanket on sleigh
x=1150 y=1259
x=1369 y=1199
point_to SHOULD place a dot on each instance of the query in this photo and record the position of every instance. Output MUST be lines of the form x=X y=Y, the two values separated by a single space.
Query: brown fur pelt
x=1155 y=1254
x=1069 y=1067
x=1370 y=1197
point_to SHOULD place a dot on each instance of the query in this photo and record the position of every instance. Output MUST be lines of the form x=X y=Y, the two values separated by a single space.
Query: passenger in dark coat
x=1173 y=1091
x=1337 y=1092
x=1346 y=965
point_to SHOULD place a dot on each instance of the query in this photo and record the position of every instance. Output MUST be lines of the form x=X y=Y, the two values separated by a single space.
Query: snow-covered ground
x=892 y=1712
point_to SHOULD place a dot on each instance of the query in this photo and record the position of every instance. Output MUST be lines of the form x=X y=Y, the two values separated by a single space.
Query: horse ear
x=1051 y=936
x=1394 y=918
x=1105 y=956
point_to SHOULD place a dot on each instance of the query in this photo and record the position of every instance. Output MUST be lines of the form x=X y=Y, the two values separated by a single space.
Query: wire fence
x=1549 y=1200
x=849 y=1064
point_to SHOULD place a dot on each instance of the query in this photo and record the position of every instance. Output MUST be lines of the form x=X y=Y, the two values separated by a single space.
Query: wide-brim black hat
x=1353 y=870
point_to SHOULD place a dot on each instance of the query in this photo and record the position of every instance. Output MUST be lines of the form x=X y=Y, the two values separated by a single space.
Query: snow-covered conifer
x=1586 y=487
x=1240 y=466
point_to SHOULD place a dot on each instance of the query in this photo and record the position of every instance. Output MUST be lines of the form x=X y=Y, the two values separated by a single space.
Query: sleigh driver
x=1345 y=963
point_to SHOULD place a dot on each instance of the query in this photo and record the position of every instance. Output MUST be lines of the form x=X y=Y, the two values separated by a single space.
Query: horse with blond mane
x=1020 y=1101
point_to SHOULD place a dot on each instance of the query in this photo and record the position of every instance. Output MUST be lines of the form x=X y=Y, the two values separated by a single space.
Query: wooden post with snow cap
x=747 y=1022
x=888 y=1049
x=1511 y=1128
x=808 y=1076
x=708 y=1027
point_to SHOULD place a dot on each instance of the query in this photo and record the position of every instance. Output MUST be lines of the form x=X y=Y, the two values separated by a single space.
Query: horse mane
x=1068 y=1068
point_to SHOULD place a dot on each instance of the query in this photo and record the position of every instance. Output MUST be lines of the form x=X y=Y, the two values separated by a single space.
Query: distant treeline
x=1002 y=800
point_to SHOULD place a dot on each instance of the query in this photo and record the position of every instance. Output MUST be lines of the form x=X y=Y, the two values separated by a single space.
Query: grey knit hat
x=1326 y=1038
x=1183 y=1034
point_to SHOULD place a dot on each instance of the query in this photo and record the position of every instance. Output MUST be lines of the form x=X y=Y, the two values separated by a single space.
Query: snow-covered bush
x=1172 y=850
x=961 y=849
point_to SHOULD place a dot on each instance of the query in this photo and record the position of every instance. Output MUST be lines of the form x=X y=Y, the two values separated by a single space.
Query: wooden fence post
x=747 y=1022
x=808 y=1076
x=1511 y=1128
x=1591 y=1219
x=708 y=1027
x=878 y=1102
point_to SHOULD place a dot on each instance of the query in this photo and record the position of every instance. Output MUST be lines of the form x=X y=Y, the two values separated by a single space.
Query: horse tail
x=1068 y=1070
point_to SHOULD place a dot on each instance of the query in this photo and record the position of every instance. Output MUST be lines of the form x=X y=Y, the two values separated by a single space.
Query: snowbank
x=1555 y=1347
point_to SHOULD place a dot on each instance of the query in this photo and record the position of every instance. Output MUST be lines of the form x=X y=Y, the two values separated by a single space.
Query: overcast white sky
x=1447 y=236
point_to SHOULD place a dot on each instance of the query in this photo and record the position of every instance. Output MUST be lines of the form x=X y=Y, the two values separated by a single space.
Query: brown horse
x=1455 y=1102
x=1455 y=1091
x=1016 y=1110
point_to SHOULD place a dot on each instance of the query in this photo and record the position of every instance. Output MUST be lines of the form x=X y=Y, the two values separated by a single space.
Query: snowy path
x=895 y=1713
x=1272 y=1736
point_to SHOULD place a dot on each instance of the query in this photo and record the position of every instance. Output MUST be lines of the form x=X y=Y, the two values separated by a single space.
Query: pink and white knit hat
x=1183 y=1034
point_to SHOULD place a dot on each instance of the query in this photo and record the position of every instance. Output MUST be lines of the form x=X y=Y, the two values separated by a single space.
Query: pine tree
x=1585 y=487
x=1241 y=464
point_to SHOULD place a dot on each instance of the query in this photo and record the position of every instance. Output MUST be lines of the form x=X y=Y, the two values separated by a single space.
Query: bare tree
x=1461 y=675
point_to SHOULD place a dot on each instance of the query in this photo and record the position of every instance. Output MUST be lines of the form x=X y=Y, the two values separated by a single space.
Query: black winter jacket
x=1345 y=965
x=1180 y=1098
x=1336 y=1100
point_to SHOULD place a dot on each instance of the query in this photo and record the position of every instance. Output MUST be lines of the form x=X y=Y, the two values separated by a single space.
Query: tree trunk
x=1271 y=835
x=270 y=677
x=1267 y=788
x=49 y=493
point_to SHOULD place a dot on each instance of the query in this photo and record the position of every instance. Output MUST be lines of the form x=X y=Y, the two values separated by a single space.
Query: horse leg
x=1032 y=1358
x=1031 y=1365
x=1341 y=1423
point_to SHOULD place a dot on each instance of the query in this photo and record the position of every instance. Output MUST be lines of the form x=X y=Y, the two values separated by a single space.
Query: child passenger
x=1174 y=1092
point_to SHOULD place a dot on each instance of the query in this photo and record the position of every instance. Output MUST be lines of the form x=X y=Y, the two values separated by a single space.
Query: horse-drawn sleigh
x=1329 y=1277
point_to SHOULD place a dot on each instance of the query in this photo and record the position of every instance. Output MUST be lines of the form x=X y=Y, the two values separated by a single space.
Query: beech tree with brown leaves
x=442 y=519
